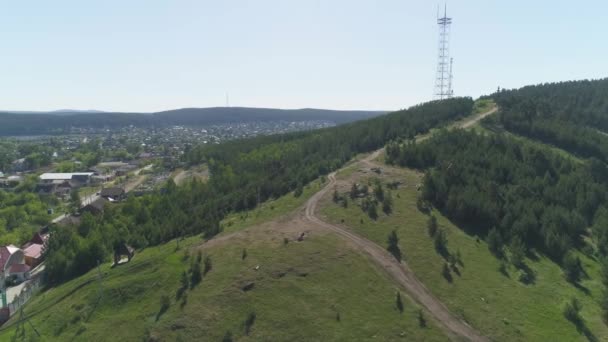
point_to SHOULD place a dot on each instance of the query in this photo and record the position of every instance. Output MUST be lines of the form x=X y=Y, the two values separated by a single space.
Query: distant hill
x=58 y=122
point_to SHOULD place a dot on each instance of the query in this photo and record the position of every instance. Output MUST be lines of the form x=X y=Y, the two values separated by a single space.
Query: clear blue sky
x=148 y=55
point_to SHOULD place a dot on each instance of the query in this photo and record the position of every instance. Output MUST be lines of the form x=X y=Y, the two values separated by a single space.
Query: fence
x=31 y=287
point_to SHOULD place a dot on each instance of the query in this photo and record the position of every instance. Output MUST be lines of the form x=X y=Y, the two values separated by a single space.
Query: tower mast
x=443 y=79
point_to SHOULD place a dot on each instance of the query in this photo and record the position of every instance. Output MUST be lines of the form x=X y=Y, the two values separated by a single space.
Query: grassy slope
x=292 y=307
x=499 y=306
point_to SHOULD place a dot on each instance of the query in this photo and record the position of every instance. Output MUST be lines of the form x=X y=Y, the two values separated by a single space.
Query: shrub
x=421 y=319
x=518 y=252
x=441 y=243
x=399 y=302
x=208 y=265
x=572 y=311
x=372 y=211
x=573 y=268
x=431 y=225
x=336 y=196
x=165 y=302
x=195 y=276
x=495 y=242
x=249 y=322
x=227 y=337
x=445 y=272
x=393 y=245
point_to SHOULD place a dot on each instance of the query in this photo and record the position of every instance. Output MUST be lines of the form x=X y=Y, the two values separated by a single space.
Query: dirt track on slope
x=399 y=271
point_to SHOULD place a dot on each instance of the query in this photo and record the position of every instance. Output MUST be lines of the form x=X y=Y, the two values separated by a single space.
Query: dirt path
x=399 y=271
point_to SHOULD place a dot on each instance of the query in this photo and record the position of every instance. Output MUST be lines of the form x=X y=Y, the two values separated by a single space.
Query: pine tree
x=393 y=245
x=421 y=319
x=495 y=242
x=208 y=265
x=353 y=191
x=399 y=302
x=432 y=226
x=387 y=205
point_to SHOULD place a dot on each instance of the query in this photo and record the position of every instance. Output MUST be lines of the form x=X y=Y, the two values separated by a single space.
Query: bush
x=423 y=206
x=431 y=226
x=399 y=302
x=421 y=319
x=445 y=272
x=495 y=242
x=208 y=265
x=372 y=212
x=604 y=305
x=227 y=337
x=518 y=252
x=573 y=268
x=249 y=322
x=195 y=275
x=572 y=312
x=336 y=196
x=441 y=243
x=393 y=245
x=165 y=302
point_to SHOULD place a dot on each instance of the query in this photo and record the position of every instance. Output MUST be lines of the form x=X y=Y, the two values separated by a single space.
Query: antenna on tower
x=227 y=100
x=443 y=79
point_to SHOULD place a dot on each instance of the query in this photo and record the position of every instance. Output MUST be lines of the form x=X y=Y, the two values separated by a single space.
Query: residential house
x=34 y=249
x=10 y=255
x=113 y=194
x=96 y=207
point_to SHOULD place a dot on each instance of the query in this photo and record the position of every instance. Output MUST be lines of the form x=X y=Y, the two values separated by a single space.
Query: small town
x=105 y=167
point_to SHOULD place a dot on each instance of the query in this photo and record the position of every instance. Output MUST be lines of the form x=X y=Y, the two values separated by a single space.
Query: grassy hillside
x=497 y=304
x=299 y=291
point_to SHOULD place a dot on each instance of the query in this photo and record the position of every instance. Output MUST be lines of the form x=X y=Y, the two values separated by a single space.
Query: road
x=399 y=271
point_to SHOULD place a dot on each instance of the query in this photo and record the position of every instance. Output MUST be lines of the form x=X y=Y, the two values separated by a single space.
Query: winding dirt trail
x=399 y=271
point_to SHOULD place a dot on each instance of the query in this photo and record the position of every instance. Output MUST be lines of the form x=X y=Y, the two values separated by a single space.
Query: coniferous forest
x=243 y=174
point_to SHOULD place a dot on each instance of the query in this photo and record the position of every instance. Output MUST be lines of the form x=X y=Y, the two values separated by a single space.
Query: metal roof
x=63 y=176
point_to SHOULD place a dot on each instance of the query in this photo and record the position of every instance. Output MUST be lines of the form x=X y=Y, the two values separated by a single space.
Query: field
x=497 y=304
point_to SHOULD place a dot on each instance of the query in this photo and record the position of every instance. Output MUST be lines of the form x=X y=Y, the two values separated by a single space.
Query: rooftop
x=64 y=176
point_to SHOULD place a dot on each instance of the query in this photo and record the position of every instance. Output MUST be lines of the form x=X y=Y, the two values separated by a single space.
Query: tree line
x=570 y=115
x=243 y=173
x=517 y=195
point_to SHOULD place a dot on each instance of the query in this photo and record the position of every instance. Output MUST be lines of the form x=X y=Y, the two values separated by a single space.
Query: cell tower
x=443 y=80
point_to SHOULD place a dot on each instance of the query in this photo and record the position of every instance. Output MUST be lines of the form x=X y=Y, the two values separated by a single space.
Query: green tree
x=75 y=201
x=495 y=242
x=393 y=245
x=372 y=212
x=518 y=252
x=431 y=225
x=387 y=204
x=573 y=268
x=354 y=190
x=441 y=242
x=399 y=302
x=208 y=265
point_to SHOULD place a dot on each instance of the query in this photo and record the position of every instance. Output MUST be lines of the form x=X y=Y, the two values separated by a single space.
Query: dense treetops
x=570 y=115
x=519 y=192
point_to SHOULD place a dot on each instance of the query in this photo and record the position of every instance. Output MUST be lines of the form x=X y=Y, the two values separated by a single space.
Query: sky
x=152 y=55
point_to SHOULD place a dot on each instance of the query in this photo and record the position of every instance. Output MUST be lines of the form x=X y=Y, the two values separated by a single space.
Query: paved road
x=399 y=271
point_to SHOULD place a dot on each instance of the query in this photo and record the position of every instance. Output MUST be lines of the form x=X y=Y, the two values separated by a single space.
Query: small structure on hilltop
x=121 y=250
